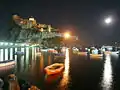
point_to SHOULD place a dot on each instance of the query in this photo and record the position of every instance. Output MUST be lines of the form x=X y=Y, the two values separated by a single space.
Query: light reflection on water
x=22 y=61
x=107 y=79
x=65 y=80
x=32 y=65
x=11 y=53
x=49 y=60
x=41 y=63
x=27 y=58
x=15 y=55
x=6 y=54
x=1 y=55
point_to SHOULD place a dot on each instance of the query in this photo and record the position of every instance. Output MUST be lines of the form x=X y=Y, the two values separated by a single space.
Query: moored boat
x=54 y=68
x=96 y=55
x=52 y=50
x=59 y=55
x=7 y=63
x=82 y=53
x=43 y=49
x=53 y=78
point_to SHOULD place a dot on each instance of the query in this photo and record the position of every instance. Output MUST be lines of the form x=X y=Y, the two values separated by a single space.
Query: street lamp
x=67 y=35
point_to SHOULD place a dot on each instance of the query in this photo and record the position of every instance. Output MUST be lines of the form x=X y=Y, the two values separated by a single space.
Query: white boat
x=115 y=52
x=7 y=63
x=52 y=50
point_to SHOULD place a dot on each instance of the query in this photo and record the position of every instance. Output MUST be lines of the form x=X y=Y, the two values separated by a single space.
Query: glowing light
x=22 y=49
x=11 y=43
x=41 y=29
x=49 y=28
x=1 y=43
x=86 y=48
x=22 y=44
x=5 y=43
x=107 y=74
x=108 y=20
x=67 y=35
x=31 y=19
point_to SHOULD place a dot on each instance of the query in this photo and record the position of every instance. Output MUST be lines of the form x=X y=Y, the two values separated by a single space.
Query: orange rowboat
x=53 y=78
x=54 y=68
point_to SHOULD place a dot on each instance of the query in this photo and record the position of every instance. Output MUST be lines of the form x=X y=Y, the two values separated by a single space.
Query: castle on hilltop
x=29 y=30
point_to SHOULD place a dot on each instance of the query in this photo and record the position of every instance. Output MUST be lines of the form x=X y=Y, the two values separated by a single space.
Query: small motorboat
x=53 y=78
x=54 y=68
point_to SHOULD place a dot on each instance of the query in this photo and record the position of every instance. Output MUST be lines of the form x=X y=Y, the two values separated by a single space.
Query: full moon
x=108 y=20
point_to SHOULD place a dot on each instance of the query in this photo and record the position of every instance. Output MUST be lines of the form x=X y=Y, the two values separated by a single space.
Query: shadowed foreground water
x=81 y=72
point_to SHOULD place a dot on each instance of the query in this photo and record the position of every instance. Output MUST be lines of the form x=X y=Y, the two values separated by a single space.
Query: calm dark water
x=81 y=72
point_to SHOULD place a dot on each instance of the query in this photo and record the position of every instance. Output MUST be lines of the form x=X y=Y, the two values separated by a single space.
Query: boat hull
x=54 y=71
x=96 y=55
x=7 y=63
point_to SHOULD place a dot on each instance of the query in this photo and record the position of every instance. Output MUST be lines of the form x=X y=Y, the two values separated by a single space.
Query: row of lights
x=11 y=44
x=5 y=43
x=16 y=44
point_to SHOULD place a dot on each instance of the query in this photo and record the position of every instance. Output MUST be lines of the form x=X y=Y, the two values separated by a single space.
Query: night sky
x=82 y=17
